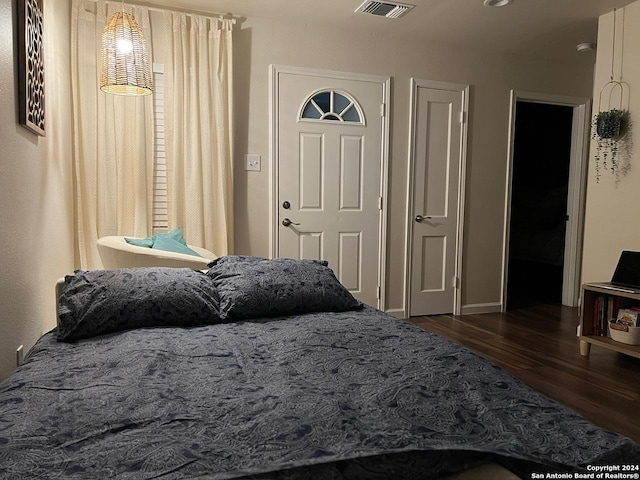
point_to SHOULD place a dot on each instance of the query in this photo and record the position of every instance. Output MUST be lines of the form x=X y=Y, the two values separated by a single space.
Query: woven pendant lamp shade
x=125 y=65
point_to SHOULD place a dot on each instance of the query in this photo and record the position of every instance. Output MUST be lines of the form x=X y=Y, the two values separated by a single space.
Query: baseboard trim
x=470 y=309
x=476 y=308
x=397 y=312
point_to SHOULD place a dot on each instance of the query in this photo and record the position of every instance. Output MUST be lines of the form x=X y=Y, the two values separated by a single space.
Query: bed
x=269 y=369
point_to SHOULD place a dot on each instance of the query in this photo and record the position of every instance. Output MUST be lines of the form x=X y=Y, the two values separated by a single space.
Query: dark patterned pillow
x=234 y=259
x=266 y=288
x=103 y=301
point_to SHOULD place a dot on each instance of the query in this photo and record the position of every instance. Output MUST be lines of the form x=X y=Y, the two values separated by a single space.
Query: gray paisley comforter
x=326 y=395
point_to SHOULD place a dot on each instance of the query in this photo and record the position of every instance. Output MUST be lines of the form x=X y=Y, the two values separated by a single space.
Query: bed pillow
x=251 y=287
x=95 y=302
x=234 y=259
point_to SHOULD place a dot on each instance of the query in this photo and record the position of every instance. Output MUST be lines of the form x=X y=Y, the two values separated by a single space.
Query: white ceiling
x=527 y=27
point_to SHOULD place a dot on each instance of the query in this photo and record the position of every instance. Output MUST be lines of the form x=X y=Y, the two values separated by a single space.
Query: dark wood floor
x=539 y=345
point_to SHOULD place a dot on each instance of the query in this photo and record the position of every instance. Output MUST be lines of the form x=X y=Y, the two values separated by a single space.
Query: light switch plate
x=252 y=162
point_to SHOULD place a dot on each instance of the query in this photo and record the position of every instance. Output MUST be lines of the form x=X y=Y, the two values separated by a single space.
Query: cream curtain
x=199 y=120
x=113 y=139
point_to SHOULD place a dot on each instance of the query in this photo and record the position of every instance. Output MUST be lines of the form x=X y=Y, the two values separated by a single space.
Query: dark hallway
x=541 y=163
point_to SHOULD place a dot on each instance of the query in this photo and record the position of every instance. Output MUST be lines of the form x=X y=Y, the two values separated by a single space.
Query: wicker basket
x=630 y=336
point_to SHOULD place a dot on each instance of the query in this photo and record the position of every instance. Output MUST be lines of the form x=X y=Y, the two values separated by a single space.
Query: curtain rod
x=218 y=16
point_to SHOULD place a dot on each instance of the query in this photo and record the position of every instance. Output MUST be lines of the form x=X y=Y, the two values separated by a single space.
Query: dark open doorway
x=539 y=189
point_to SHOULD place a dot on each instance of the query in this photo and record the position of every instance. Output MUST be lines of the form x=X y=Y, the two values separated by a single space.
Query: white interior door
x=437 y=142
x=329 y=172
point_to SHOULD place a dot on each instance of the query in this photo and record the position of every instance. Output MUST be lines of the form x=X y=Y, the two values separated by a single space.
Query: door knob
x=420 y=218
x=286 y=222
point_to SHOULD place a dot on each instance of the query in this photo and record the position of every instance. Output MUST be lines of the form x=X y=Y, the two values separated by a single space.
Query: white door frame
x=385 y=82
x=576 y=193
x=464 y=91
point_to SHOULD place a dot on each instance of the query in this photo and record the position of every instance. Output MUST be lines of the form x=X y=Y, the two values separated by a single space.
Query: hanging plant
x=609 y=129
x=609 y=123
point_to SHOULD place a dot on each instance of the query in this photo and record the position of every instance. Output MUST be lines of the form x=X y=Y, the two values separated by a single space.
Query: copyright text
x=595 y=472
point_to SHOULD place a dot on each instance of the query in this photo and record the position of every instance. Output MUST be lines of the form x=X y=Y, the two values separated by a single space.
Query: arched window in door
x=331 y=105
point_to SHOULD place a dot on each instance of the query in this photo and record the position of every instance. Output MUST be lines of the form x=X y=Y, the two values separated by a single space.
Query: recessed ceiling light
x=497 y=3
x=585 y=47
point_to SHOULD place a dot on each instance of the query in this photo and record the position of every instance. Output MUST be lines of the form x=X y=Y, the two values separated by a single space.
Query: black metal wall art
x=31 y=65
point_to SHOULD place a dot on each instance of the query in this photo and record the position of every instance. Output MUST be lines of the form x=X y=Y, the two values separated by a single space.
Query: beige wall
x=35 y=173
x=260 y=42
x=611 y=222
x=35 y=190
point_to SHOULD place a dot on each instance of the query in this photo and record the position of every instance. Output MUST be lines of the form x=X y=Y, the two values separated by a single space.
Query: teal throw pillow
x=166 y=243
x=172 y=241
x=175 y=234
x=141 y=242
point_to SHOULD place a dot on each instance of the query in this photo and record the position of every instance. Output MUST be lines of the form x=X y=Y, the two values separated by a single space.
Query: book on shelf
x=605 y=308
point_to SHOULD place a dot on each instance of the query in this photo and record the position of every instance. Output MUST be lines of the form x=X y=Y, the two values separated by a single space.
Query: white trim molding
x=397 y=312
x=477 y=308
x=576 y=194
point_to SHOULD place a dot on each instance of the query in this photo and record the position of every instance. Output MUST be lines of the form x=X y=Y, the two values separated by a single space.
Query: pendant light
x=125 y=64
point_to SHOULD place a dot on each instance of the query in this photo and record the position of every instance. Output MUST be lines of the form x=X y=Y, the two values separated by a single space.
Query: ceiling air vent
x=384 y=9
